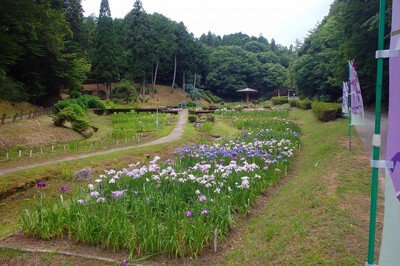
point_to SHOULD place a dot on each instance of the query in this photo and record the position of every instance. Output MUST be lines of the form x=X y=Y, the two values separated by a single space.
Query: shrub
x=279 y=100
x=192 y=119
x=192 y=111
x=326 y=111
x=60 y=105
x=304 y=104
x=267 y=105
x=80 y=125
x=75 y=94
x=116 y=101
x=210 y=118
x=71 y=114
x=206 y=127
x=69 y=103
x=126 y=90
x=293 y=103
x=94 y=102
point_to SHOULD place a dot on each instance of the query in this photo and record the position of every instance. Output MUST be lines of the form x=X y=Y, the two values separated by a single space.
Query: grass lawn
x=321 y=215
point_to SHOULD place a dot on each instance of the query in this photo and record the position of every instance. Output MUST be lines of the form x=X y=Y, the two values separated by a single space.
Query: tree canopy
x=348 y=32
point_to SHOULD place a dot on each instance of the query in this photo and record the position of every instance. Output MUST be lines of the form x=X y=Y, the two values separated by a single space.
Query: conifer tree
x=105 y=66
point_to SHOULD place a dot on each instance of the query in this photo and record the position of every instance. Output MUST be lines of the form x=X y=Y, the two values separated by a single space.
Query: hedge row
x=326 y=111
x=304 y=104
x=279 y=100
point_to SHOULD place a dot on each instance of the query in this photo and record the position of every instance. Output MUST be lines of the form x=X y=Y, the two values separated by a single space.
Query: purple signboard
x=345 y=102
x=393 y=138
x=357 y=105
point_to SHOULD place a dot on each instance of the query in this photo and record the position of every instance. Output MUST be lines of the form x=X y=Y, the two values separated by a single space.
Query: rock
x=216 y=136
x=85 y=173
x=87 y=133
x=67 y=124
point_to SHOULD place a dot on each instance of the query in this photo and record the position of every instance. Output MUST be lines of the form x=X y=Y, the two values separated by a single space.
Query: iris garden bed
x=170 y=206
x=127 y=125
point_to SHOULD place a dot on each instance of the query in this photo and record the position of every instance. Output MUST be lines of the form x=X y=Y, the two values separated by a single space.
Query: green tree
x=105 y=65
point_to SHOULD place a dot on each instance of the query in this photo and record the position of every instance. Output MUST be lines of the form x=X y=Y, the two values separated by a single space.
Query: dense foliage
x=40 y=49
x=327 y=111
x=348 y=32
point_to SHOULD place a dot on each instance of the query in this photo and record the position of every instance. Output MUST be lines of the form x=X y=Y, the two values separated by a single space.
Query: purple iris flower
x=189 y=214
x=41 y=184
x=206 y=212
x=63 y=189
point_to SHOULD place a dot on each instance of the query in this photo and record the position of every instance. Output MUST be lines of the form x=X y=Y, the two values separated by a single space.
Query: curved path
x=176 y=134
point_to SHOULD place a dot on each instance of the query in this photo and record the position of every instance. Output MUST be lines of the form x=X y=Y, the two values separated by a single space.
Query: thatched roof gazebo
x=247 y=91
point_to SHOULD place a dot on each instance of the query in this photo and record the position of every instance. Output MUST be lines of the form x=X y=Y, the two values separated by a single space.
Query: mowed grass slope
x=321 y=215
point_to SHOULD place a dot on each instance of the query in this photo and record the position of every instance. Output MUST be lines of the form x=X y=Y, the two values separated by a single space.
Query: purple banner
x=357 y=105
x=345 y=103
x=393 y=139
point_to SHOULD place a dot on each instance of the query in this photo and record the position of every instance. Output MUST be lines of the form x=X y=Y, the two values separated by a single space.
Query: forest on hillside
x=48 y=46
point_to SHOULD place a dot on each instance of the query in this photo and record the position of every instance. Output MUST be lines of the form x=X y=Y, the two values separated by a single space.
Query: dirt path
x=174 y=135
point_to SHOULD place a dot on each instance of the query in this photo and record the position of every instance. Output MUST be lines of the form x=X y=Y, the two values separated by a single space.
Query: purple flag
x=345 y=103
x=393 y=138
x=357 y=105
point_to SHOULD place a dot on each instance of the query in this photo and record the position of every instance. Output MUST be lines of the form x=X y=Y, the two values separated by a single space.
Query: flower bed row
x=259 y=113
x=129 y=124
x=174 y=206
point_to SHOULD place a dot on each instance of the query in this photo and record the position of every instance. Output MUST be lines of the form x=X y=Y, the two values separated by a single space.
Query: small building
x=279 y=92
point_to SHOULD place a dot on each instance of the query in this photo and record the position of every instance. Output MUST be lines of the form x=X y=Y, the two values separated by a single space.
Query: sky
x=283 y=20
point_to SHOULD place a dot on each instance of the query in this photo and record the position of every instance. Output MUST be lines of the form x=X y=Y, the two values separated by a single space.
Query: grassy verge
x=321 y=215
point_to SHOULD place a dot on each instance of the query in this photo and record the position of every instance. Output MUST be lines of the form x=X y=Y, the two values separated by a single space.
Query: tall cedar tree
x=74 y=16
x=105 y=64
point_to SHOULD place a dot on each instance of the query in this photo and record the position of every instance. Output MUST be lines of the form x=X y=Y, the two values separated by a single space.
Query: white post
x=7 y=156
x=64 y=147
x=52 y=148
x=157 y=118
x=19 y=154
x=30 y=153
x=215 y=239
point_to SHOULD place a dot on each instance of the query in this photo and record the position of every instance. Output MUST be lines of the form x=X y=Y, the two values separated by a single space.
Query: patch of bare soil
x=34 y=133
x=62 y=247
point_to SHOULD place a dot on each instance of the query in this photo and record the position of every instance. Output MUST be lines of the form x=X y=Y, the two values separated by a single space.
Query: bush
x=69 y=103
x=210 y=118
x=71 y=114
x=206 y=127
x=80 y=125
x=304 y=104
x=75 y=94
x=326 y=111
x=293 y=103
x=192 y=111
x=267 y=105
x=192 y=119
x=94 y=102
x=279 y=100
x=324 y=98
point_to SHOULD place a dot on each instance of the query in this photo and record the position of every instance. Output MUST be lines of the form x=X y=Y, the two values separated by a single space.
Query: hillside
x=164 y=97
